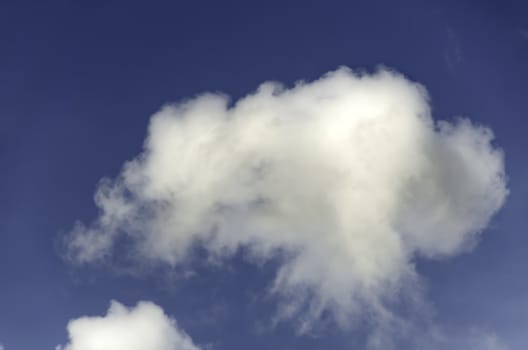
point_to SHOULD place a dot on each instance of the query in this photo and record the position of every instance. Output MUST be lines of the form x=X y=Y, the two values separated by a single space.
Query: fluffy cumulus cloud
x=142 y=327
x=343 y=181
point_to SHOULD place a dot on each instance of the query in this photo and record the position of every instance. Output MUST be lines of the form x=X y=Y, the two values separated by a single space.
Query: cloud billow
x=144 y=326
x=347 y=179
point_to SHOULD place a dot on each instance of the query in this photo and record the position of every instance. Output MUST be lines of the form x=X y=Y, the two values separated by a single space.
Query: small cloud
x=144 y=326
x=483 y=340
x=477 y=339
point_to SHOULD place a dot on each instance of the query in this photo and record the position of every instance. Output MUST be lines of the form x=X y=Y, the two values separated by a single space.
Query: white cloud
x=2 y=346
x=345 y=180
x=144 y=326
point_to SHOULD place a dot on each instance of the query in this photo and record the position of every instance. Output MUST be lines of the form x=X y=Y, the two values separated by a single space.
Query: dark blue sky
x=80 y=79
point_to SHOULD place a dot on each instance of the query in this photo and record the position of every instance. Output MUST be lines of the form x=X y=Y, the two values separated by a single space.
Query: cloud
x=2 y=346
x=473 y=338
x=344 y=181
x=144 y=326
x=486 y=341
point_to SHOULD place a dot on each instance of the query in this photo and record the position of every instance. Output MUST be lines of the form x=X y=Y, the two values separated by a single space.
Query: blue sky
x=81 y=80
